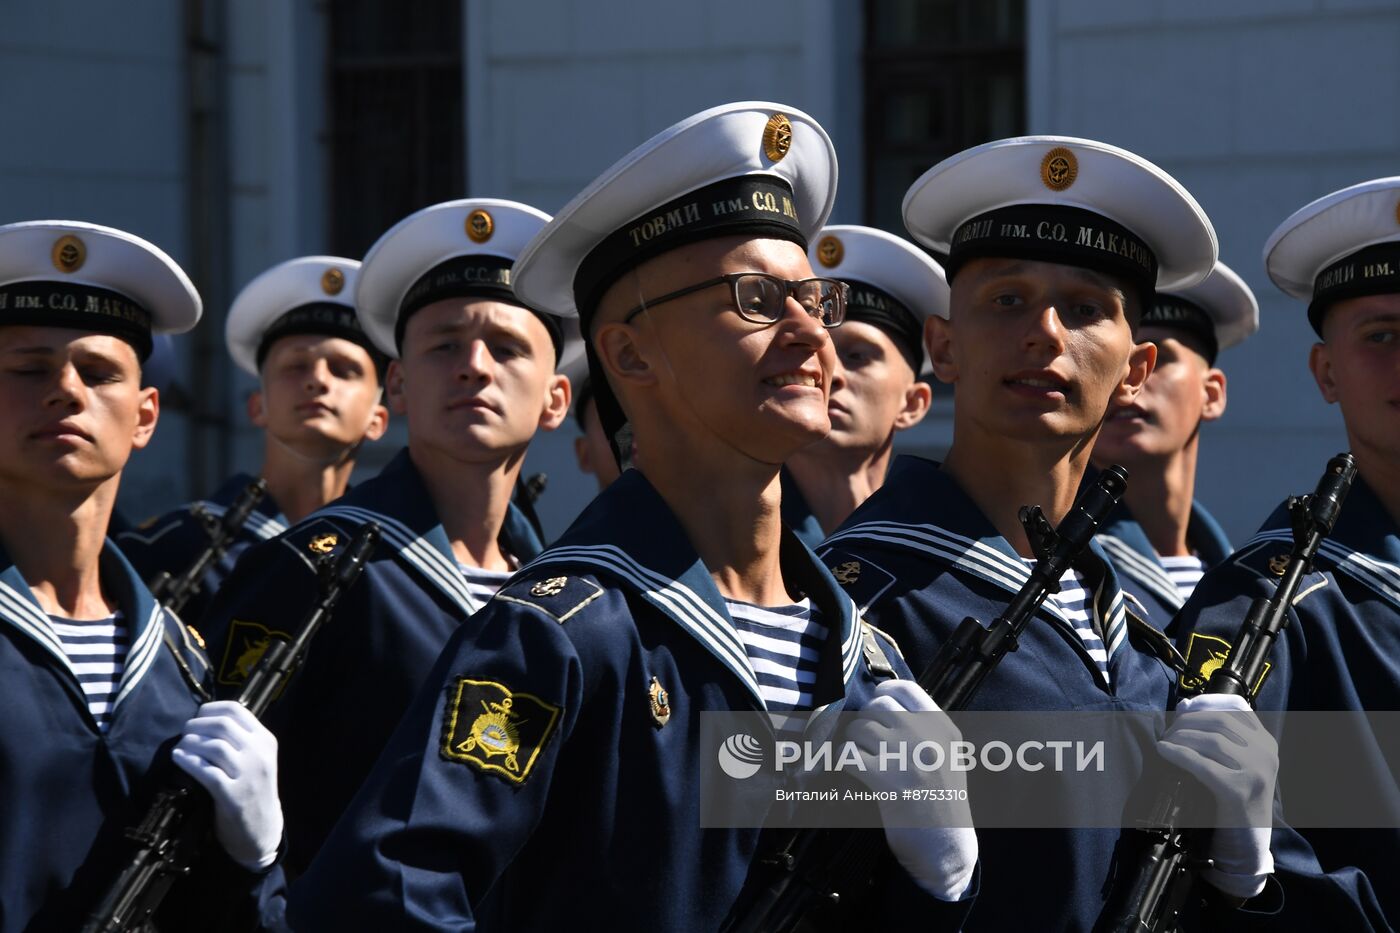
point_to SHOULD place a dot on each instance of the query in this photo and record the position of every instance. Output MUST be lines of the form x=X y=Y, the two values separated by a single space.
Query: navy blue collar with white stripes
x=20 y=610
x=398 y=499
x=1364 y=544
x=630 y=536
x=1133 y=555
x=922 y=508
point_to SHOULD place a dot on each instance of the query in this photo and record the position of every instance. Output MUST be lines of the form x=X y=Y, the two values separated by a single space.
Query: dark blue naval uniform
x=68 y=790
x=171 y=542
x=1339 y=651
x=372 y=655
x=797 y=514
x=918 y=557
x=596 y=661
x=1140 y=570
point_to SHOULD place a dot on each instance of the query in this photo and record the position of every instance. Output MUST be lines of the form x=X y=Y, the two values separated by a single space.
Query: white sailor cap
x=747 y=168
x=307 y=295
x=754 y=168
x=894 y=285
x=1344 y=245
x=457 y=249
x=65 y=273
x=1219 y=312
x=1064 y=200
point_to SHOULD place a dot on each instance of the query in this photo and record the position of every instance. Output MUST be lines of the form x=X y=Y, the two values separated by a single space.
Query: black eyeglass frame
x=790 y=287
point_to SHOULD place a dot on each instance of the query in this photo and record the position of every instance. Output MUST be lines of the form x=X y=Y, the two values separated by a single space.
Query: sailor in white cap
x=676 y=592
x=293 y=327
x=591 y=448
x=1055 y=249
x=875 y=388
x=474 y=373
x=1160 y=539
x=1341 y=254
x=96 y=680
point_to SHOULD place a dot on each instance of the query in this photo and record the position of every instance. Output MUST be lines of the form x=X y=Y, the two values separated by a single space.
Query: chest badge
x=660 y=703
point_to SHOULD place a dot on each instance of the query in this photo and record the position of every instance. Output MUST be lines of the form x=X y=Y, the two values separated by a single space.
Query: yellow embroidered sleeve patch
x=1204 y=656
x=495 y=729
x=247 y=641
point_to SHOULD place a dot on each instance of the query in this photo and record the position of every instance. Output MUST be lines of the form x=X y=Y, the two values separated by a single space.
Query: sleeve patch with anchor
x=496 y=730
x=1204 y=656
x=247 y=641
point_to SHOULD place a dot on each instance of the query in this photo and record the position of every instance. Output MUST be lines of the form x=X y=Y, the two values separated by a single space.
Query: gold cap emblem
x=830 y=252
x=846 y=573
x=660 y=703
x=551 y=587
x=69 y=254
x=777 y=137
x=333 y=281
x=1278 y=565
x=1059 y=169
x=480 y=226
x=323 y=544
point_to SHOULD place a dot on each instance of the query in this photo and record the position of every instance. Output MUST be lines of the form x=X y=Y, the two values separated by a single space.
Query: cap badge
x=830 y=251
x=69 y=254
x=1059 y=169
x=333 y=281
x=480 y=226
x=777 y=137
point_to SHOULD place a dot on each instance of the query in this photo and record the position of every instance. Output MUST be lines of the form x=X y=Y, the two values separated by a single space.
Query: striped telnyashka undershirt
x=97 y=652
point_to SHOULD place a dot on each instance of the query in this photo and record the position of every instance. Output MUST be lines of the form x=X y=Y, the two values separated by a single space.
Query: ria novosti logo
x=741 y=756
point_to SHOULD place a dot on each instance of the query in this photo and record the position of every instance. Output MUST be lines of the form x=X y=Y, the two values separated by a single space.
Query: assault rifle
x=1156 y=864
x=168 y=839
x=802 y=880
x=174 y=592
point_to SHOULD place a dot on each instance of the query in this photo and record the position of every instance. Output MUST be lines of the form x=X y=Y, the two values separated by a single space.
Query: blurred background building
x=238 y=133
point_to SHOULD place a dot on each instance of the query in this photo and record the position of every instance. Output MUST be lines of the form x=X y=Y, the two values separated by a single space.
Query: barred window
x=396 y=114
x=940 y=76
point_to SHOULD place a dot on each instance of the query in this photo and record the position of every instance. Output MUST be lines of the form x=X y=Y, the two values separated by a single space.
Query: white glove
x=233 y=756
x=1220 y=741
x=941 y=860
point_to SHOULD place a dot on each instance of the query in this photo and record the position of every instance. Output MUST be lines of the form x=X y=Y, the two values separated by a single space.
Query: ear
x=1320 y=362
x=938 y=344
x=917 y=399
x=257 y=412
x=1140 y=363
x=585 y=463
x=147 y=414
x=1215 y=395
x=378 y=423
x=624 y=359
x=556 y=402
x=394 y=388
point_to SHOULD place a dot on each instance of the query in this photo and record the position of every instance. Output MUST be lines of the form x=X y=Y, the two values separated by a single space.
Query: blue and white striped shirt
x=97 y=652
x=1185 y=572
x=1076 y=604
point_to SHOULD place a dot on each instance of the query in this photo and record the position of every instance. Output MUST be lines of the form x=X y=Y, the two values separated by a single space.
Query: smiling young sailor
x=294 y=329
x=1055 y=246
x=875 y=387
x=474 y=374
x=676 y=592
x=1341 y=253
x=96 y=681
x=1160 y=539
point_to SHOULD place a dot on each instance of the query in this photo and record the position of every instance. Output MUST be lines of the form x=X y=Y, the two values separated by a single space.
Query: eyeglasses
x=760 y=297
